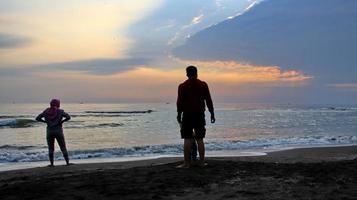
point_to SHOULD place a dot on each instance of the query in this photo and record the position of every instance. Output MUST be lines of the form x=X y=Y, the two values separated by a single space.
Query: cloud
x=222 y=72
x=197 y=19
x=317 y=37
x=166 y=25
x=344 y=86
x=13 y=41
x=144 y=84
x=70 y=30
x=103 y=67
x=239 y=73
x=173 y=21
x=97 y=66
x=251 y=5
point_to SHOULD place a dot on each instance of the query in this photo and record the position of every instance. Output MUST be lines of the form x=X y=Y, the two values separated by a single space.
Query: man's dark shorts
x=193 y=125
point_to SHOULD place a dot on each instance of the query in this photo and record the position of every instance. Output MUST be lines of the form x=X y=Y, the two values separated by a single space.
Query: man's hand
x=213 y=119
x=179 y=120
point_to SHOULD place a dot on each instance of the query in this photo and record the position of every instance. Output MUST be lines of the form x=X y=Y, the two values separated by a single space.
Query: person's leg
x=199 y=123
x=201 y=149
x=51 y=146
x=200 y=134
x=187 y=151
x=61 y=142
x=186 y=134
x=194 y=150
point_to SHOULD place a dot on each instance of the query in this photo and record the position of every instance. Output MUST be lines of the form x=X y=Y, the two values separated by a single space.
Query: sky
x=316 y=38
x=137 y=50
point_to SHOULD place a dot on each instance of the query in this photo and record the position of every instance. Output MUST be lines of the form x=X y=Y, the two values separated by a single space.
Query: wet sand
x=310 y=173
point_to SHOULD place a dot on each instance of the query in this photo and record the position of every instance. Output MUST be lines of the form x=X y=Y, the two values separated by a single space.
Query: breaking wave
x=121 y=112
x=10 y=153
x=17 y=123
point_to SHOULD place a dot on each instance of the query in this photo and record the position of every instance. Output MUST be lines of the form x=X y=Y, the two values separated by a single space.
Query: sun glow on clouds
x=71 y=30
x=148 y=83
x=197 y=19
x=217 y=71
x=250 y=6
x=233 y=72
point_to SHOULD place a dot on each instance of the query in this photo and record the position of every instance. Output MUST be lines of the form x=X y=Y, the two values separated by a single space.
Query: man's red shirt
x=193 y=95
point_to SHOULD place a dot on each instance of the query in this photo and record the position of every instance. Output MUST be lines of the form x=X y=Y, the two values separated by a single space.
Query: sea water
x=141 y=131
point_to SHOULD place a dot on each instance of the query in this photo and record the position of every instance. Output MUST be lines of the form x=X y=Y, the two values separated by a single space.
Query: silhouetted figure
x=54 y=118
x=193 y=96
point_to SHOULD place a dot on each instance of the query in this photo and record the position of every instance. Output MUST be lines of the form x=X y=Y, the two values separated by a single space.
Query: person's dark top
x=56 y=123
x=192 y=96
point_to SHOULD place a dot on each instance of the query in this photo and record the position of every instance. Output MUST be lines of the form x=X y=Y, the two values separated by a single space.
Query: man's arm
x=209 y=103
x=179 y=105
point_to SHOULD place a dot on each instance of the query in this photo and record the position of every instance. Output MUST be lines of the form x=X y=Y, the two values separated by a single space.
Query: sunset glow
x=138 y=50
x=71 y=30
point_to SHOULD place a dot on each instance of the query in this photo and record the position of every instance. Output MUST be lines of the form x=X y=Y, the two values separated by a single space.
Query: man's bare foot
x=50 y=165
x=68 y=164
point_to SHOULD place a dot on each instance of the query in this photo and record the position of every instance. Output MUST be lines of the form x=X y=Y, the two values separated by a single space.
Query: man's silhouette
x=193 y=96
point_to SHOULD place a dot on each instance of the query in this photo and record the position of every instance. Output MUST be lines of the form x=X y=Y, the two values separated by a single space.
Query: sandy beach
x=308 y=173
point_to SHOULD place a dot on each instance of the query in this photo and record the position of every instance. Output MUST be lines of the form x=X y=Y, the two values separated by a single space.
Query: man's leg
x=187 y=151
x=201 y=149
x=200 y=134
x=194 y=150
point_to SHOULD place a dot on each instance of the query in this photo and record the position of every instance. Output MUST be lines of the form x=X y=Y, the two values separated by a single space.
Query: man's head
x=191 y=72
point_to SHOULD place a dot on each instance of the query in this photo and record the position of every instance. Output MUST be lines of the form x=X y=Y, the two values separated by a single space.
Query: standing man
x=193 y=96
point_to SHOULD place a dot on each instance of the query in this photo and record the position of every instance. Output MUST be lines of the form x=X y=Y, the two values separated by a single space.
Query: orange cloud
x=234 y=72
x=221 y=72
x=146 y=83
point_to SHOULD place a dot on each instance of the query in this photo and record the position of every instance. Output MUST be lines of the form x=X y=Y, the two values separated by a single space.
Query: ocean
x=141 y=131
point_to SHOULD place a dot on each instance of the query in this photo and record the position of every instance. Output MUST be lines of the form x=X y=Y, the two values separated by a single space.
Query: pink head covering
x=52 y=111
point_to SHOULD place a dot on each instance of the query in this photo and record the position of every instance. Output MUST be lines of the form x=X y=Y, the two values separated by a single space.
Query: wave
x=17 y=123
x=332 y=108
x=282 y=142
x=103 y=125
x=99 y=115
x=26 y=123
x=15 y=116
x=17 y=147
x=11 y=153
x=121 y=112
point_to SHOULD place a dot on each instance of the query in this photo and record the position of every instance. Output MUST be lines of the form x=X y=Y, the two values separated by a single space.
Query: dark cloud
x=318 y=37
x=98 y=66
x=13 y=41
x=171 y=23
x=95 y=66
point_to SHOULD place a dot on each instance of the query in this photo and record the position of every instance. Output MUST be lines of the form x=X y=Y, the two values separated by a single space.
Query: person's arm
x=39 y=118
x=209 y=103
x=179 y=105
x=66 y=117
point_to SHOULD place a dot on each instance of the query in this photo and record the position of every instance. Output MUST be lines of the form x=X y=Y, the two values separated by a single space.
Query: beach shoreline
x=248 y=155
x=303 y=173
